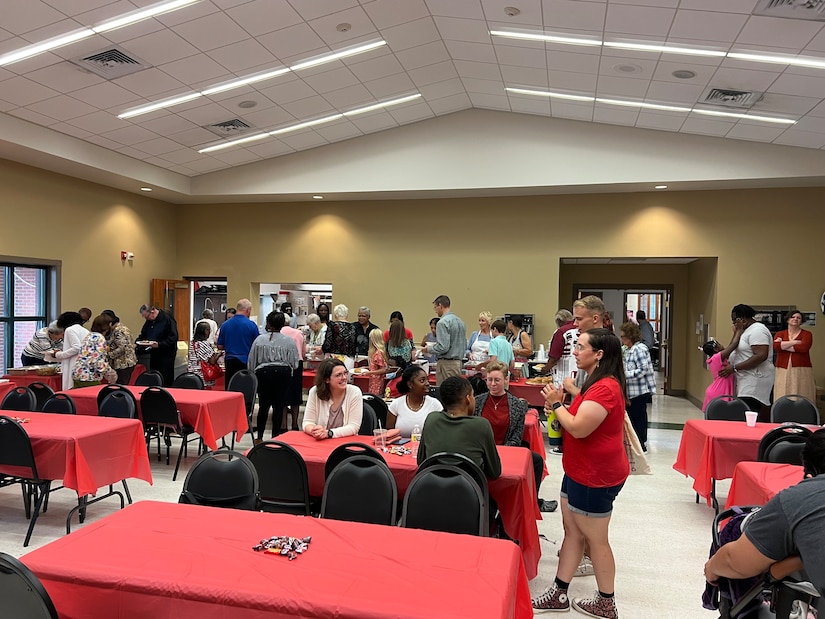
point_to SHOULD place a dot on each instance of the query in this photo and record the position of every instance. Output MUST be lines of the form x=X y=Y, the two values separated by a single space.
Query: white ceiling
x=441 y=49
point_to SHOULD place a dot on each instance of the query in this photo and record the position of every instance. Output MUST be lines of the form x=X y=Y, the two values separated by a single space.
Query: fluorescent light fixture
x=665 y=49
x=660 y=187
x=648 y=106
x=309 y=123
x=244 y=81
x=317 y=197
x=146 y=189
x=546 y=38
x=45 y=46
x=766 y=119
x=552 y=95
x=337 y=55
x=136 y=16
x=378 y=106
x=797 y=61
x=159 y=105
x=221 y=146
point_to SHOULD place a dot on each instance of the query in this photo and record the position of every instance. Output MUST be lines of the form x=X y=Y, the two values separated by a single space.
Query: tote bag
x=211 y=372
x=635 y=454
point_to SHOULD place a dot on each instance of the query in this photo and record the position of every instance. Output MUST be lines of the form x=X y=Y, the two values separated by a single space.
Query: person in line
x=560 y=353
x=430 y=338
x=751 y=362
x=201 y=350
x=479 y=343
x=794 y=374
x=378 y=363
x=92 y=365
x=500 y=350
x=161 y=331
x=291 y=317
x=334 y=407
x=362 y=327
x=588 y=313
x=646 y=329
x=315 y=334
x=273 y=357
x=411 y=408
x=451 y=341
x=340 y=338
x=506 y=413
x=122 y=356
x=596 y=468
x=296 y=388
x=236 y=338
x=519 y=339
x=323 y=313
x=229 y=313
x=208 y=316
x=73 y=335
x=641 y=379
x=85 y=314
x=457 y=430
x=399 y=346
x=788 y=529
x=398 y=316
x=45 y=339
x=717 y=358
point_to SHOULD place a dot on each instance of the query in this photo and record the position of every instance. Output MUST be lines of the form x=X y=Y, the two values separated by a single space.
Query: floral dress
x=377 y=362
x=92 y=365
x=200 y=350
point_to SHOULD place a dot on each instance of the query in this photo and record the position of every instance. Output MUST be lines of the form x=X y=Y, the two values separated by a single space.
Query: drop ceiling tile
x=632 y=69
x=32 y=116
x=608 y=86
x=187 y=14
x=245 y=57
x=804 y=139
x=391 y=86
x=304 y=140
x=453 y=103
x=638 y=20
x=650 y=3
x=423 y=55
x=130 y=136
x=786 y=33
x=724 y=27
x=477 y=86
x=530 y=105
x=572 y=82
x=816 y=45
x=370 y=123
x=388 y=13
x=99 y=122
x=573 y=14
x=481 y=52
x=161 y=47
x=288 y=91
x=21 y=16
x=530 y=15
x=521 y=77
x=480 y=70
x=742 y=79
x=312 y=9
x=270 y=148
x=468 y=8
x=25 y=67
x=331 y=80
x=244 y=95
x=158 y=146
x=490 y=102
x=206 y=114
x=293 y=41
x=703 y=126
x=456 y=29
x=71 y=130
x=261 y=16
x=674 y=93
x=339 y=130
x=446 y=88
x=21 y=91
x=183 y=170
x=152 y=83
x=62 y=108
x=410 y=112
x=207 y=165
x=811 y=123
x=572 y=111
x=309 y=109
x=517 y=56
x=104 y=142
x=572 y=61
x=350 y=97
x=664 y=72
x=211 y=32
x=786 y=104
x=819 y=110
x=194 y=137
x=799 y=85
x=728 y=6
x=670 y=121
x=755 y=133
x=195 y=69
x=65 y=77
x=235 y=156
x=76 y=7
x=615 y=115
x=411 y=34
x=270 y=118
x=376 y=68
x=106 y=95
x=360 y=26
x=158 y=161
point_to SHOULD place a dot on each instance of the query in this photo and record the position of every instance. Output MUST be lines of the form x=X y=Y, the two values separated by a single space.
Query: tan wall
x=85 y=226
x=496 y=254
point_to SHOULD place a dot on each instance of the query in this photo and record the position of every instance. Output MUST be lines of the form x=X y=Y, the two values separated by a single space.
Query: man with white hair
x=236 y=338
x=362 y=327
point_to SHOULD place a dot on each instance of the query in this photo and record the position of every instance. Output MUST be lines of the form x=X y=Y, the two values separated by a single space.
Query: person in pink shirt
x=296 y=393
x=717 y=359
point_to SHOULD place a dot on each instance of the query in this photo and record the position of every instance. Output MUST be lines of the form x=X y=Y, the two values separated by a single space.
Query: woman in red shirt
x=596 y=467
x=794 y=374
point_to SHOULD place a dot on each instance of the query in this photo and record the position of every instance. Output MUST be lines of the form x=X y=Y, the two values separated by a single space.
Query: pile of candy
x=21 y=419
x=290 y=547
x=398 y=450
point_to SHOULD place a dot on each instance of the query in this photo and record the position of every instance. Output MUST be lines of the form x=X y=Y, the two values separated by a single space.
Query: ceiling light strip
x=651 y=106
x=547 y=38
x=797 y=61
x=136 y=16
x=665 y=49
x=310 y=123
x=152 y=107
x=314 y=62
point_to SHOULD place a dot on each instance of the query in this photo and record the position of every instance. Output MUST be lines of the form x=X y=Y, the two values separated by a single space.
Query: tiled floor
x=660 y=536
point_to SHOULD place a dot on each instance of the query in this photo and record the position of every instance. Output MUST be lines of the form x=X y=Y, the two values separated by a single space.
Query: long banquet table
x=756 y=483
x=213 y=414
x=514 y=491
x=186 y=561
x=55 y=381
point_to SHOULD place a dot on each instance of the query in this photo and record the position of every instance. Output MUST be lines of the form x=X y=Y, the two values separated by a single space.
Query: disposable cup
x=380 y=438
x=750 y=418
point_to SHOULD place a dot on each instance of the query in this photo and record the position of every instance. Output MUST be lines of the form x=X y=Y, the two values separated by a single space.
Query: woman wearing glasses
x=334 y=408
x=596 y=467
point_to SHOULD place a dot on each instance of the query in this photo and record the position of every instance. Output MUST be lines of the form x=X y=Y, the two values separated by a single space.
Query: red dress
x=377 y=362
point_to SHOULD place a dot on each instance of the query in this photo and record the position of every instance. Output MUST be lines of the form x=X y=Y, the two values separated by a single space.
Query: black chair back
x=42 y=392
x=158 y=408
x=726 y=408
x=443 y=497
x=783 y=444
x=795 y=408
x=348 y=450
x=360 y=489
x=379 y=407
x=188 y=380
x=222 y=478
x=107 y=389
x=283 y=478
x=19 y=399
x=150 y=378
x=22 y=593
x=369 y=421
x=435 y=392
x=60 y=403
x=465 y=464
x=245 y=382
x=118 y=404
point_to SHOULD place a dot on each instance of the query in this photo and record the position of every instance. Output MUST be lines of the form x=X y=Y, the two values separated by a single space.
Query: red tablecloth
x=534 y=437
x=5 y=388
x=213 y=414
x=711 y=449
x=55 y=381
x=755 y=483
x=531 y=393
x=169 y=560
x=87 y=453
x=514 y=490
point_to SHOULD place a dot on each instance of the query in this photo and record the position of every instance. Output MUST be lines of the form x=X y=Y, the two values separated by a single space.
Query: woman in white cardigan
x=334 y=407
x=73 y=335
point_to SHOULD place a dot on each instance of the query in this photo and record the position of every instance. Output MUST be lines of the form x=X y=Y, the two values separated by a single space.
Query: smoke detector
x=511 y=11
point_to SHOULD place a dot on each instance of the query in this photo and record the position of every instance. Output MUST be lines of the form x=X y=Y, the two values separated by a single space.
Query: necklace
x=497 y=402
x=414 y=409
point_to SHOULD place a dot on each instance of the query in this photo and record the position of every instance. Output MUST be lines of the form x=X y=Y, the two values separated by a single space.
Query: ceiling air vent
x=792 y=9
x=732 y=98
x=111 y=63
x=229 y=128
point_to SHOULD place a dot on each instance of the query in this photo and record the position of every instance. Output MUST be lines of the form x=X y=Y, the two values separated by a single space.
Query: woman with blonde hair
x=479 y=342
x=378 y=363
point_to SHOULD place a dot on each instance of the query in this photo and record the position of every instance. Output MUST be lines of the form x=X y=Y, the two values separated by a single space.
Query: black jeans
x=637 y=411
x=27 y=360
x=273 y=391
x=538 y=466
x=232 y=366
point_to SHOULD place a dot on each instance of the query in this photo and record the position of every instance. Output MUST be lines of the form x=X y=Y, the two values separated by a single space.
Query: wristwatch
x=329 y=433
x=556 y=405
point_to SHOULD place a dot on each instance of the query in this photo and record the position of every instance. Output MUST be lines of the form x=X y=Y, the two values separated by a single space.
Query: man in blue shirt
x=451 y=341
x=236 y=337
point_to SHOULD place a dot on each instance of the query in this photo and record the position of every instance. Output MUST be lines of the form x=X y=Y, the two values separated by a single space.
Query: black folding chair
x=22 y=594
x=188 y=380
x=369 y=421
x=161 y=420
x=360 y=489
x=245 y=382
x=118 y=404
x=150 y=378
x=379 y=407
x=726 y=408
x=107 y=389
x=42 y=392
x=348 y=450
x=19 y=399
x=283 y=477
x=222 y=478
x=795 y=408
x=60 y=403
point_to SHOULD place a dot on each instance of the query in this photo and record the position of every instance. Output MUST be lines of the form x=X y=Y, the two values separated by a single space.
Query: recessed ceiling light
x=683 y=74
x=511 y=11
x=146 y=189
x=247 y=104
x=627 y=68
x=660 y=187
x=317 y=197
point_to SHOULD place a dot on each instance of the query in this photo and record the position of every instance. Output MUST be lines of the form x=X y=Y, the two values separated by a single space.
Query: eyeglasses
x=340 y=374
x=490 y=379
x=581 y=347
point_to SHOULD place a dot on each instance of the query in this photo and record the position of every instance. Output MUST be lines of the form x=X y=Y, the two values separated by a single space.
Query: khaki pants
x=446 y=368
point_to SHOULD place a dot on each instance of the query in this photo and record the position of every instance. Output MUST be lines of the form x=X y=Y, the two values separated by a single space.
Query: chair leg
x=180 y=454
x=126 y=490
x=41 y=495
x=27 y=498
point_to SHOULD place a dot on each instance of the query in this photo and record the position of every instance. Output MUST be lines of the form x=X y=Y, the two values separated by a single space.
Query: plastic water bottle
x=415 y=439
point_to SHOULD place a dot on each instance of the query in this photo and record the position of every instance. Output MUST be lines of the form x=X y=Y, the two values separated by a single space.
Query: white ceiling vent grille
x=111 y=63
x=792 y=9
x=732 y=98
x=229 y=128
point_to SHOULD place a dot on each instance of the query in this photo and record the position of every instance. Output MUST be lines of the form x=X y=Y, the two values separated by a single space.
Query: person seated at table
x=500 y=350
x=202 y=350
x=788 y=529
x=45 y=339
x=506 y=413
x=334 y=408
x=457 y=430
x=414 y=404
x=92 y=365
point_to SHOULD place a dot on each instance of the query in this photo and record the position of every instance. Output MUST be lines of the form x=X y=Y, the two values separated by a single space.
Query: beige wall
x=496 y=254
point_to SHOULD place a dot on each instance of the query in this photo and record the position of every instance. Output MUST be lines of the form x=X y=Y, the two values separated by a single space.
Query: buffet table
x=756 y=483
x=55 y=381
x=186 y=561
